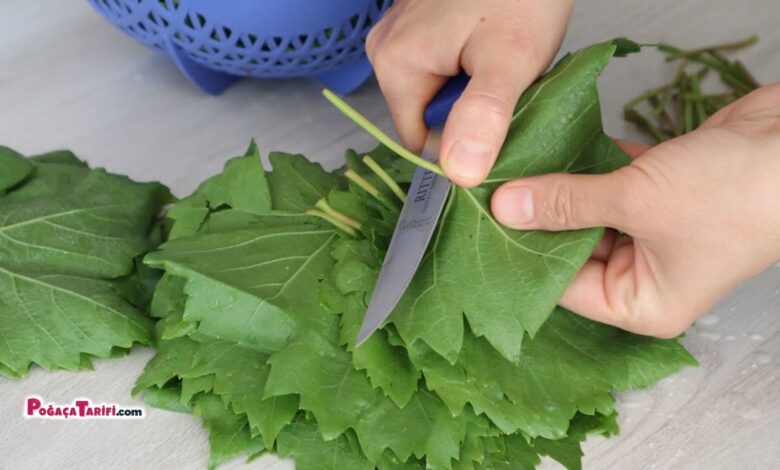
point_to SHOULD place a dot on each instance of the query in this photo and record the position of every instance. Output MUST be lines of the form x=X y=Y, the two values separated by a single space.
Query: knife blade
x=418 y=219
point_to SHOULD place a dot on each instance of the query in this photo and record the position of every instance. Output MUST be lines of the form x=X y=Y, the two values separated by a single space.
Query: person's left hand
x=698 y=214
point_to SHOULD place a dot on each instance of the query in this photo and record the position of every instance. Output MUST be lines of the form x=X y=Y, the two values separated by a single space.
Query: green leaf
x=65 y=235
x=567 y=451
x=187 y=220
x=166 y=398
x=92 y=227
x=562 y=113
x=388 y=368
x=297 y=184
x=341 y=398
x=51 y=319
x=168 y=296
x=240 y=281
x=241 y=185
x=15 y=168
x=477 y=368
x=64 y=157
x=572 y=365
x=51 y=179
x=625 y=46
x=511 y=453
x=229 y=434
x=516 y=278
x=235 y=373
x=302 y=441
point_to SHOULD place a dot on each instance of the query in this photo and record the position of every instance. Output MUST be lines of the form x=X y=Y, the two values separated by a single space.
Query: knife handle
x=439 y=108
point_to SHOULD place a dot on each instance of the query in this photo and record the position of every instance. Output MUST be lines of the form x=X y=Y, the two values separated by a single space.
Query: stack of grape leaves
x=70 y=242
x=266 y=279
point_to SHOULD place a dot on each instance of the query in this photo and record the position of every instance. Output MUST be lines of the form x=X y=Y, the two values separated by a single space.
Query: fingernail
x=469 y=160
x=514 y=206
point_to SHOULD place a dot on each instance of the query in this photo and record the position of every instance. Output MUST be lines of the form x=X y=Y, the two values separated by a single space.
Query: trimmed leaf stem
x=353 y=176
x=323 y=205
x=682 y=105
x=369 y=188
x=386 y=178
x=332 y=220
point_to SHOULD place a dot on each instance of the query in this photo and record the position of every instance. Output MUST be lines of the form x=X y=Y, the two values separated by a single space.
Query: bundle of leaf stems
x=681 y=105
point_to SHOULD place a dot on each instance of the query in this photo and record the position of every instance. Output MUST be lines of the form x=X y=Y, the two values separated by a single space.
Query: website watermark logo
x=81 y=408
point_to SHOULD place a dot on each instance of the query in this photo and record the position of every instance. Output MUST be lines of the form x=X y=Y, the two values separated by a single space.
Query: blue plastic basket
x=216 y=42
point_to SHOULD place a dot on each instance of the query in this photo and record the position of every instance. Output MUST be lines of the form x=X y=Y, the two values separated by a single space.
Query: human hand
x=504 y=45
x=701 y=214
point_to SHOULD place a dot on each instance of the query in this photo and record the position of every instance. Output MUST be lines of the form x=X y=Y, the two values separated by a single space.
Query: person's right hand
x=504 y=45
x=700 y=214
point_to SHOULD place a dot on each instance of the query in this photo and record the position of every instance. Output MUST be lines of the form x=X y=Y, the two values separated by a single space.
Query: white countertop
x=69 y=80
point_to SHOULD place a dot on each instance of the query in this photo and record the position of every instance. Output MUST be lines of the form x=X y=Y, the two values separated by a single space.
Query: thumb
x=557 y=202
x=479 y=120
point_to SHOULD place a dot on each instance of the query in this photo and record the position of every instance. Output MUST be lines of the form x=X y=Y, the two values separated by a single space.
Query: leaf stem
x=687 y=114
x=697 y=100
x=646 y=95
x=731 y=46
x=334 y=222
x=377 y=133
x=746 y=75
x=682 y=105
x=353 y=176
x=635 y=117
x=386 y=178
x=323 y=205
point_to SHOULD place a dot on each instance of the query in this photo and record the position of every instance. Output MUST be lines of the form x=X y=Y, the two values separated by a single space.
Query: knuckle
x=559 y=205
x=525 y=45
x=388 y=57
x=487 y=101
x=528 y=50
x=372 y=40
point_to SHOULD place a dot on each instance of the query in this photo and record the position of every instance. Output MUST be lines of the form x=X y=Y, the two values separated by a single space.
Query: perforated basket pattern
x=205 y=33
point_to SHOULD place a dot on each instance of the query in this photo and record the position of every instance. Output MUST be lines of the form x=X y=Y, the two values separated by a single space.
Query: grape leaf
x=510 y=453
x=280 y=261
x=297 y=183
x=571 y=365
x=517 y=277
x=66 y=235
x=341 y=398
x=221 y=267
x=64 y=157
x=15 y=168
x=229 y=434
x=568 y=451
x=237 y=374
x=263 y=306
x=302 y=441
x=241 y=185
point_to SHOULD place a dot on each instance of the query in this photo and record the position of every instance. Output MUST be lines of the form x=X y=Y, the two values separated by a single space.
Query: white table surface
x=68 y=80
